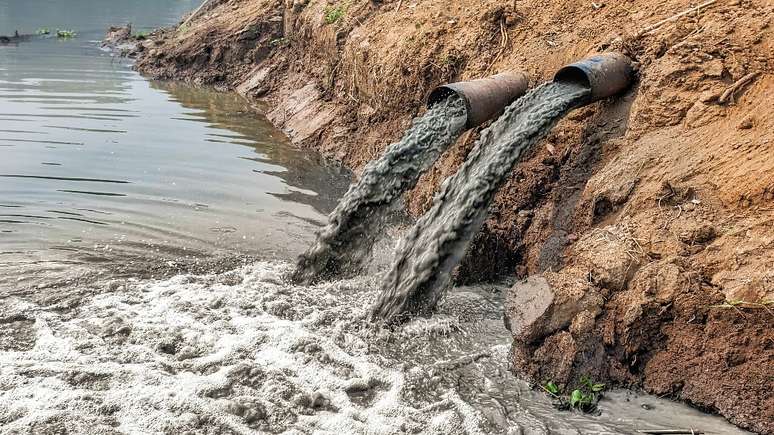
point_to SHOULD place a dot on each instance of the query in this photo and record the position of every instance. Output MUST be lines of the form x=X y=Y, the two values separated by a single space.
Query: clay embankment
x=646 y=222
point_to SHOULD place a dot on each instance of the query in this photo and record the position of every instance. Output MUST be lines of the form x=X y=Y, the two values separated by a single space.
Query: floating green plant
x=65 y=34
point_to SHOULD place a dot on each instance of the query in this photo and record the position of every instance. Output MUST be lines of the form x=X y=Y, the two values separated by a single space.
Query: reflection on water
x=98 y=165
x=300 y=170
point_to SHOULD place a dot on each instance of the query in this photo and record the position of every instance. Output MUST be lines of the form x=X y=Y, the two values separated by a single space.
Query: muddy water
x=352 y=228
x=245 y=352
x=426 y=256
x=106 y=171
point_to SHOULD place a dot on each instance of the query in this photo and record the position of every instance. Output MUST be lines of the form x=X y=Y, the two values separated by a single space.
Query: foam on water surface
x=246 y=352
x=235 y=352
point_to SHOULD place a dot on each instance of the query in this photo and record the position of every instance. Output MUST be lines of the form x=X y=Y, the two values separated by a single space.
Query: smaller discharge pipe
x=484 y=98
x=605 y=74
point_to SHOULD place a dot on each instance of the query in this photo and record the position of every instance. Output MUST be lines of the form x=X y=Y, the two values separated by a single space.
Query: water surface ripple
x=107 y=164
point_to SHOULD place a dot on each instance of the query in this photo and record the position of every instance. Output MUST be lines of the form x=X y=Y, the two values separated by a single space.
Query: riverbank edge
x=634 y=250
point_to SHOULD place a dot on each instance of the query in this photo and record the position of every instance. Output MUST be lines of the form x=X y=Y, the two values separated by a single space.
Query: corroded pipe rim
x=606 y=74
x=485 y=98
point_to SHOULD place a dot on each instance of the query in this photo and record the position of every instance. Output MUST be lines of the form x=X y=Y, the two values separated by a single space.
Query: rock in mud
x=543 y=305
x=121 y=41
x=117 y=35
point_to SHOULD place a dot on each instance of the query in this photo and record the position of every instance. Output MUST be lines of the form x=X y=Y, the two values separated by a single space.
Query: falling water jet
x=344 y=244
x=427 y=255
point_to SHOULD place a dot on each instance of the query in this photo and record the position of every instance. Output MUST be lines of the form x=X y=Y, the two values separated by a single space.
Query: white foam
x=244 y=352
x=176 y=355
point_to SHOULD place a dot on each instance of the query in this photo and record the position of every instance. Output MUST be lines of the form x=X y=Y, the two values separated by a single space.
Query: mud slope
x=646 y=223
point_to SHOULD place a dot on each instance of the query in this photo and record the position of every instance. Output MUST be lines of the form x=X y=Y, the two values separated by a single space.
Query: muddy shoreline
x=646 y=223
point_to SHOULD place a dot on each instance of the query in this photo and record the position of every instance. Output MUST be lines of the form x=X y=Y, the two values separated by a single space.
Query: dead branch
x=728 y=95
x=194 y=14
x=675 y=17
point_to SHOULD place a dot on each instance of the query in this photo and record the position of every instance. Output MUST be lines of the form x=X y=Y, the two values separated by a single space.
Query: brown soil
x=647 y=220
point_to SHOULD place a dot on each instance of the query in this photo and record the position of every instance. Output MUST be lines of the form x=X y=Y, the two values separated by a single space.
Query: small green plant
x=583 y=398
x=43 y=31
x=551 y=388
x=65 y=34
x=333 y=14
x=141 y=36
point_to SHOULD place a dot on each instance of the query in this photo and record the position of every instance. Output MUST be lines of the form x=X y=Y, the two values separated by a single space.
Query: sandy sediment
x=644 y=222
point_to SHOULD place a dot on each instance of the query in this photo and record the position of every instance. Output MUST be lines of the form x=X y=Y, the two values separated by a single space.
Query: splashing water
x=430 y=251
x=244 y=351
x=345 y=242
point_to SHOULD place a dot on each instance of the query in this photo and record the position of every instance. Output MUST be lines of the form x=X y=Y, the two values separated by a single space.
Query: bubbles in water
x=235 y=352
x=243 y=352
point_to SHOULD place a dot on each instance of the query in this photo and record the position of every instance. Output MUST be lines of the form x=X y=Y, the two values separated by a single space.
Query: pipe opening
x=573 y=74
x=484 y=98
x=439 y=94
x=442 y=93
x=606 y=74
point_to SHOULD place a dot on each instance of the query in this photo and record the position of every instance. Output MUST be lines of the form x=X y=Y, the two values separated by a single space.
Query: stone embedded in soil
x=610 y=254
x=543 y=305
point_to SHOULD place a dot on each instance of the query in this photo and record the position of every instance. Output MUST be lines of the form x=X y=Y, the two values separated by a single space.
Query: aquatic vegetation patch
x=583 y=398
x=65 y=34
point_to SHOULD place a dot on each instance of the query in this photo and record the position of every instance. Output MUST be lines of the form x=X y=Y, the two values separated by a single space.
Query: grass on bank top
x=333 y=14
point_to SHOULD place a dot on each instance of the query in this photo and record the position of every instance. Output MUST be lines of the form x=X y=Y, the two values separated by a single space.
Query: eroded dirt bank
x=646 y=223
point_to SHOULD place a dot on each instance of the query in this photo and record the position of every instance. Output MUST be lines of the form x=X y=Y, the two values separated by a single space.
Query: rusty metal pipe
x=606 y=74
x=484 y=98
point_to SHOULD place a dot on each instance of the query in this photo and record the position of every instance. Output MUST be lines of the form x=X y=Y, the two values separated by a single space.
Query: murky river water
x=111 y=187
x=99 y=164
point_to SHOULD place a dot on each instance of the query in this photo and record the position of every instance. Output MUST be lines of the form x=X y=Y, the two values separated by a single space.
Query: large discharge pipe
x=605 y=74
x=484 y=98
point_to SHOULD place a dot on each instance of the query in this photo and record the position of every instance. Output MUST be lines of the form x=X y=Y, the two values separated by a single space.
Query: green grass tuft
x=584 y=398
x=333 y=14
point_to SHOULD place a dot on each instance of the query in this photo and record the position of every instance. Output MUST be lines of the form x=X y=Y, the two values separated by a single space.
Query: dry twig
x=675 y=17
x=728 y=95
x=194 y=14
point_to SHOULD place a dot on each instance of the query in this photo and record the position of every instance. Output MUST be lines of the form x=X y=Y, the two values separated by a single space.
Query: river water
x=146 y=230
x=100 y=164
